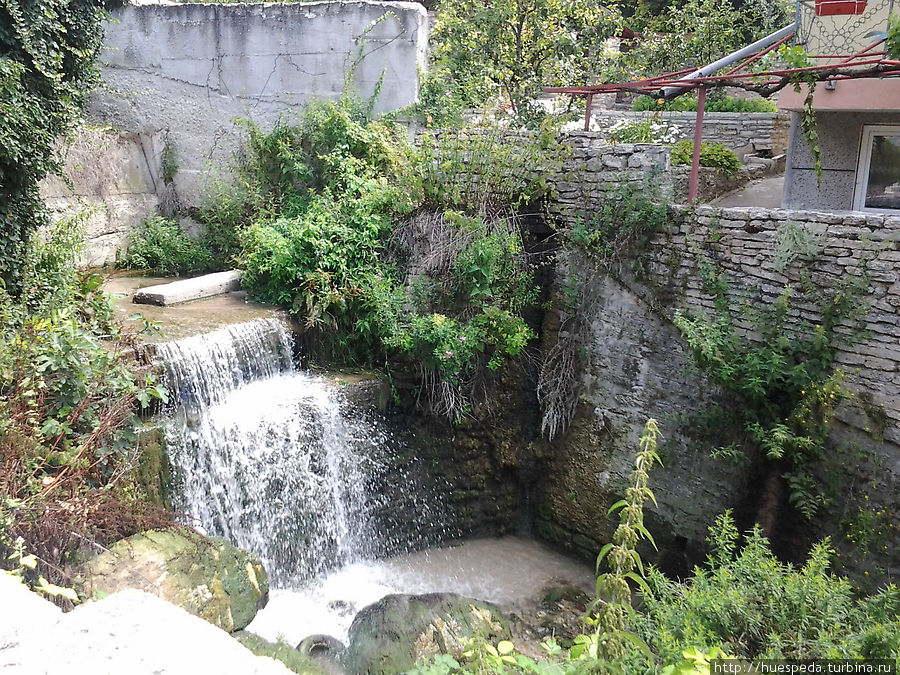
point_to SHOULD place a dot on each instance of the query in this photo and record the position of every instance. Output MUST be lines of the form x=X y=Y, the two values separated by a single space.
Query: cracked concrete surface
x=187 y=72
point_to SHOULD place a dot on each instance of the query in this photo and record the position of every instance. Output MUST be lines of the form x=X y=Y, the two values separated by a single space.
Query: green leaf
x=618 y=505
x=56 y=591
x=639 y=581
x=639 y=643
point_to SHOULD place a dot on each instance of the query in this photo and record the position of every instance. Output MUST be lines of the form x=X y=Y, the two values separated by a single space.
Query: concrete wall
x=595 y=168
x=840 y=134
x=741 y=132
x=112 y=180
x=186 y=72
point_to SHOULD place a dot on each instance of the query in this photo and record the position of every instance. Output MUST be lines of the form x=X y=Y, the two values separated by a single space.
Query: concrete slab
x=185 y=290
x=765 y=193
x=180 y=321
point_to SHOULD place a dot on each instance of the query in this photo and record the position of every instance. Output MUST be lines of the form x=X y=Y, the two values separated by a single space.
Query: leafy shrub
x=327 y=211
x=477 y=169
x=628 y=213
x=748 y=603
x=68 y=398
x=713 y=155
x=688 y=103
x=162 y=247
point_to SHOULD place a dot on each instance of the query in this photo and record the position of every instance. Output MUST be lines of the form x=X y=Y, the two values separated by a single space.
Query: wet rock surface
x=391 y=635
x=208 y=577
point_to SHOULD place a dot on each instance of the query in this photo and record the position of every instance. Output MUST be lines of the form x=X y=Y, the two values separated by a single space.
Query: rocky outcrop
x=399 y=630
x=208 y=577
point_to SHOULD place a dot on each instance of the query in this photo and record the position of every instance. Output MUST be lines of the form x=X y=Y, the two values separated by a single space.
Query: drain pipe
x=676 y=90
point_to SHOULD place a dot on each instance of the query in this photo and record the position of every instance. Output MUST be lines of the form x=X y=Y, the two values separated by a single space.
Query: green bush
x=327 y=218
x=161 y=246
x=714 y=155
x=750 y=604
x=688 y=103
x=68 y=399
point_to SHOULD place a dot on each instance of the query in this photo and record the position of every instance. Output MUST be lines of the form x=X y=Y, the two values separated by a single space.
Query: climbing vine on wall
x=786 y=382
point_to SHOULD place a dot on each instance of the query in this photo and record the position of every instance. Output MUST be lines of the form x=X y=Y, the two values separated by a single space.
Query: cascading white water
x=276 y=461
x=264 y=455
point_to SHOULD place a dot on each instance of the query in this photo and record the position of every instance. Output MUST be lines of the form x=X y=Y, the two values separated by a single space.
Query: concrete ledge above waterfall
x=158 y=323
x=186 y=290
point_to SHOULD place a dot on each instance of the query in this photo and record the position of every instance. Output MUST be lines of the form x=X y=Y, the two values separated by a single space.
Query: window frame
x=864 y=163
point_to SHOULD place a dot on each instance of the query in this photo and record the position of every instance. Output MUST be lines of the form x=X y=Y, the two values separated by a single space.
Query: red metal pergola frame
x=841 y=67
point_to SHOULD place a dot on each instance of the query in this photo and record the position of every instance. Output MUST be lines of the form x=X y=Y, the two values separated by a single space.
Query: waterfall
x=268 y=456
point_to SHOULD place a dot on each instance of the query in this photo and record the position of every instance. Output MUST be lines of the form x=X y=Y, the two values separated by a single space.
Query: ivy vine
x=48 y=50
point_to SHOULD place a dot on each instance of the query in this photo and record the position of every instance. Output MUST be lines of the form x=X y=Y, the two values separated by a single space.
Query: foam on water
x=505 y=571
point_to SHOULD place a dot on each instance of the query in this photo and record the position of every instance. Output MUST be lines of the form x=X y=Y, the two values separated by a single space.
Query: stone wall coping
x=687 y=114
x=853 y=218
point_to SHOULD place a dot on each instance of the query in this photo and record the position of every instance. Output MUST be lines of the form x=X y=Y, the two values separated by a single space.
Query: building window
x=878 y=172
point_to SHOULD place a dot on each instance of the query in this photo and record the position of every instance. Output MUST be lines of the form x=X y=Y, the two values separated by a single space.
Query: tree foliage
x=515 y=48
x=47 y=52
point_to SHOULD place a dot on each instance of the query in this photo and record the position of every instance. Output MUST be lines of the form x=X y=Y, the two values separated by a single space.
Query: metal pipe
x=705 y=71
x=587 y=113
x=694 y=182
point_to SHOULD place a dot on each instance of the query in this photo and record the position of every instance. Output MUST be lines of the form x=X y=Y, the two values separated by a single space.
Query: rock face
x=208 y=577
x=128 y=632
x=398 y=630
x=636 y=367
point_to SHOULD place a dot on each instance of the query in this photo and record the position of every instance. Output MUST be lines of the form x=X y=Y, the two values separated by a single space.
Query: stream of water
x=280 y=463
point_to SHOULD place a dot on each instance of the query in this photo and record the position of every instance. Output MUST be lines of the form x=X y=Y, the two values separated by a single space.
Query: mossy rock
x=391 y=635
x=207 y=576
x=152 y=473
x=292 y=658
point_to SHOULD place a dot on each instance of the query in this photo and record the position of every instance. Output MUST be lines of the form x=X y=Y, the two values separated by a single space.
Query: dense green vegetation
x=329 y=218
x=489 y=55
x=47 y=51
x=69 y=396
x=69 y=385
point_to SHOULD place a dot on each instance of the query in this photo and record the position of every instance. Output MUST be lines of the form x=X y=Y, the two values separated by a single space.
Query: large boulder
x=207 y=576
x=391 y=635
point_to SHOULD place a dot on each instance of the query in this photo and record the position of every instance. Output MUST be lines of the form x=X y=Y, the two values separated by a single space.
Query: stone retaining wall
x=596 y=168
x=738 y=131
x=744 y=242
x=636 y=366
x=747 y=132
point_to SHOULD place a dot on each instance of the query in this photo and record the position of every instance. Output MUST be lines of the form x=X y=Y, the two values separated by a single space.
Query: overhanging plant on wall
x=46 y=72
x=786 y=381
